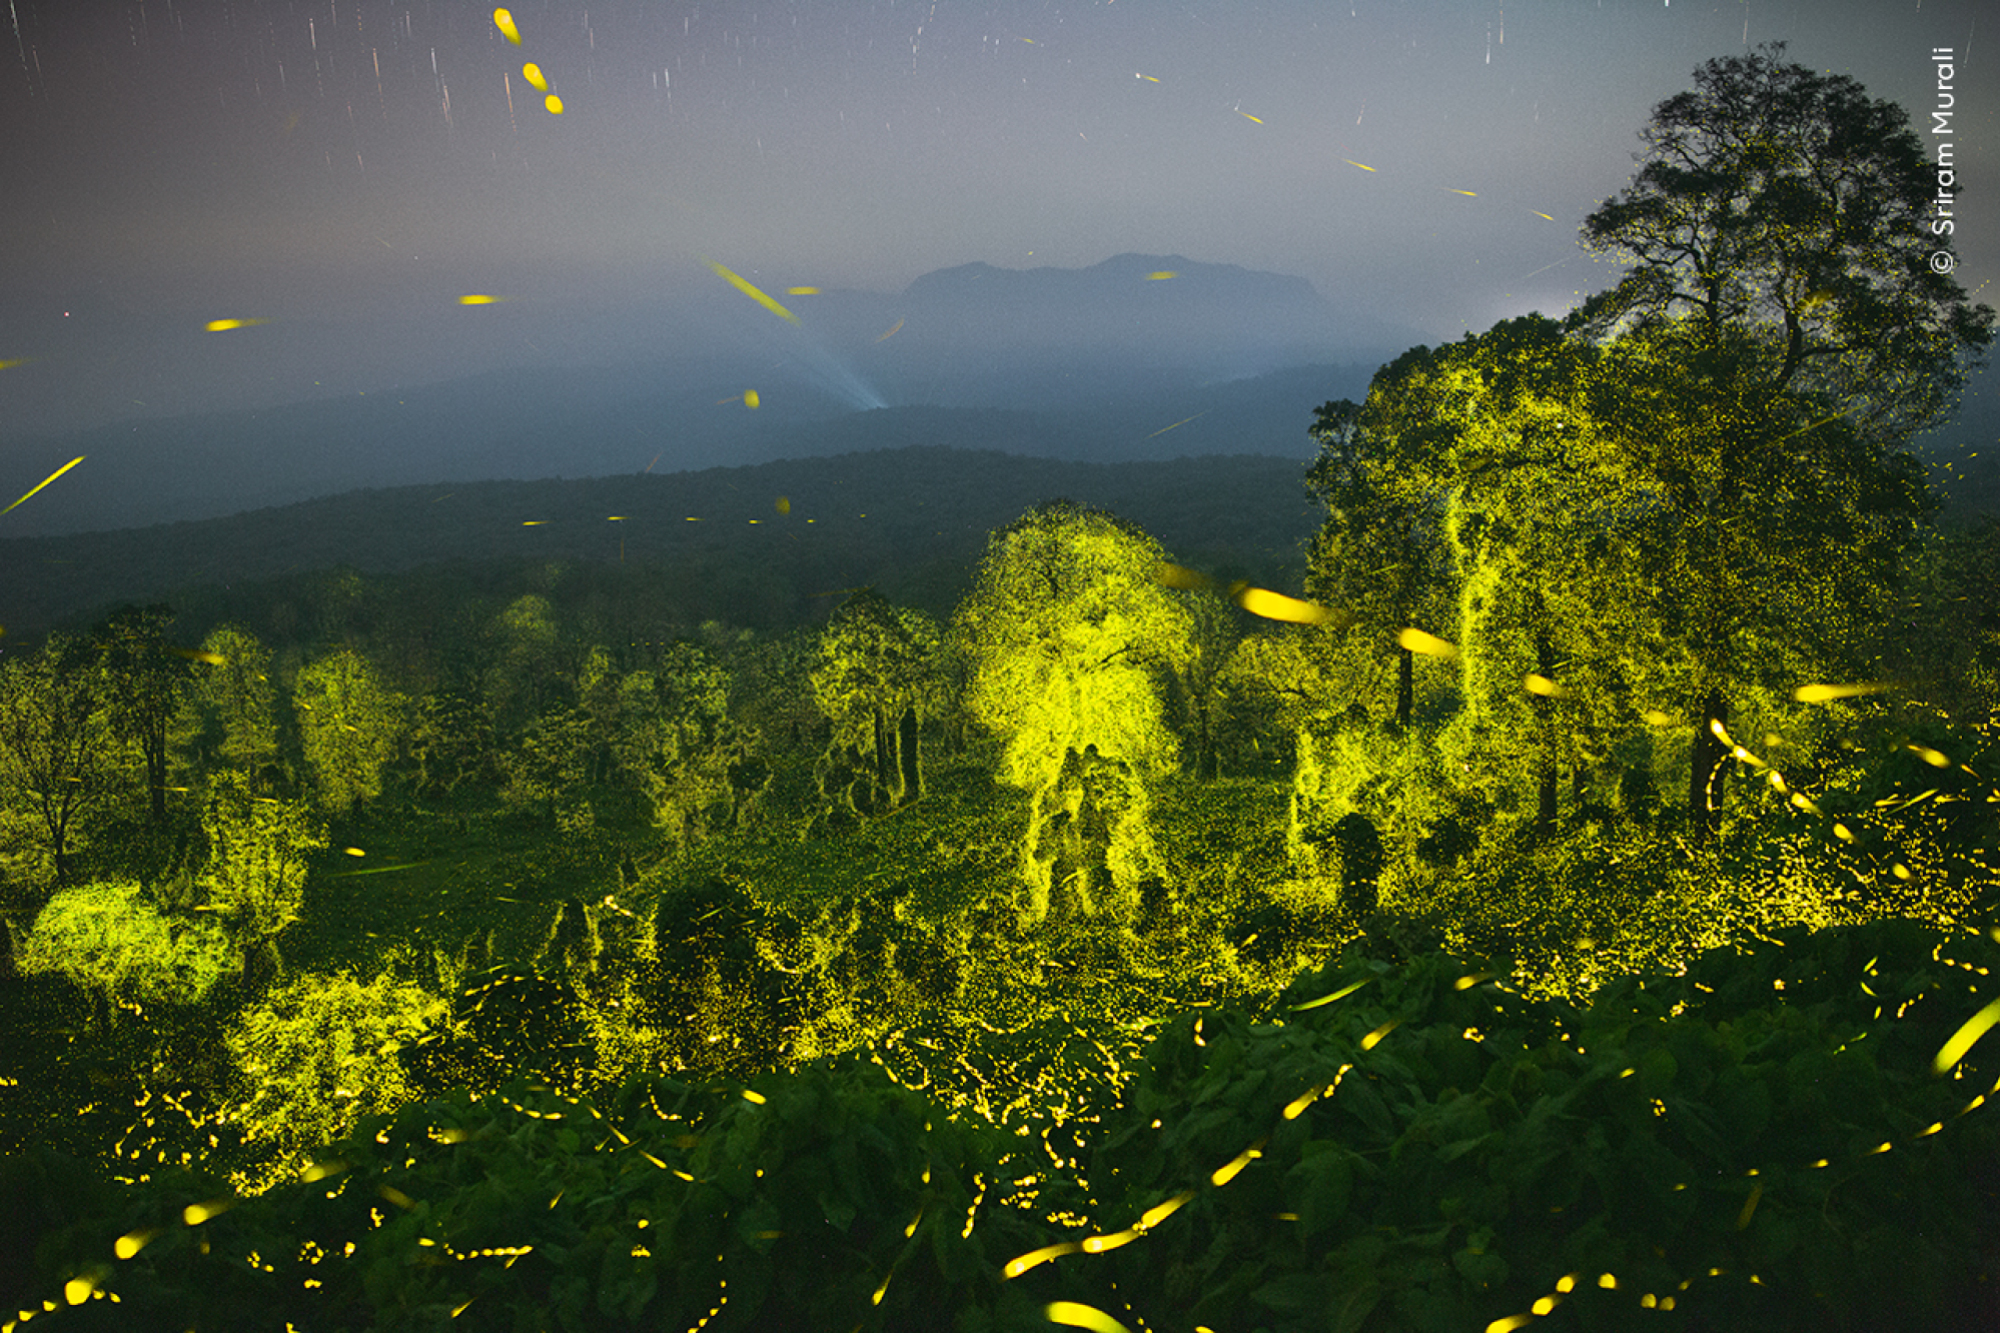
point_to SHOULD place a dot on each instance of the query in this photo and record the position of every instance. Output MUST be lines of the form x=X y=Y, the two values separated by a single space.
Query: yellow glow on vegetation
x=1078 y=1315
x=504 y=21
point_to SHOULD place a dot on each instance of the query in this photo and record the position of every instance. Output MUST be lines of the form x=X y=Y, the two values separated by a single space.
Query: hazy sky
x=347 y=169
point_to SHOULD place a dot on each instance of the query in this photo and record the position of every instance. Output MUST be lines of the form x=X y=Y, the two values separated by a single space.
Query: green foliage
x=1383 y=1147
x=876 y=680
x=110 y=941
x=351 y=723
x=59 y=763
x=677 y=741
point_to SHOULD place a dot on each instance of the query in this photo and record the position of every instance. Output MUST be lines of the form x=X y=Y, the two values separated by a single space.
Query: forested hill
x=911 y=521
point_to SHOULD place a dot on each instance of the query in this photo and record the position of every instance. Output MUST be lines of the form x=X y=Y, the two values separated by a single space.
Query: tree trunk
x=909 y=755
x=1545 y=803
x=1705 y=771
x=1406 y=687
x=886 y=771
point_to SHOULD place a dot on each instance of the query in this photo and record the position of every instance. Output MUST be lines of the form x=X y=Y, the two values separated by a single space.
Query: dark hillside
x=906 y=519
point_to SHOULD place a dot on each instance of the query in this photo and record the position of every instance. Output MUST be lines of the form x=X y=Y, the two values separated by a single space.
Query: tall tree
x=678 y=742
x=1072 y=638
x=146 y=681
x=255 y=874
x=1379 y=554
x=1790 y=209
x=351 y=723
x=58 y=755
x=875 y=679
x=235 y=706
x=1781 y=234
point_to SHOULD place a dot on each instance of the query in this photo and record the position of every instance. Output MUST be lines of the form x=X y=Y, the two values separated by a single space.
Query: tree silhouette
x=147 y=680
x=1791 y=209
x=58 y=755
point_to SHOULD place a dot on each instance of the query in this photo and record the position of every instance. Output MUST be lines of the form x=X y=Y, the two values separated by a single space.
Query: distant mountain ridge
x=910 y=521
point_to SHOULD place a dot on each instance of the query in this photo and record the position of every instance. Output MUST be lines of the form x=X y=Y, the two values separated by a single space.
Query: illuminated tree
x=351 y=722
x=679 y=743
x=146 y=681
x=1784 y=229
x=110 y=942
x=876 y=681
x=1799 y=217
x=258 y=854
x=235 y=706
x=58 y=754
x=1379 y=556
x=1072 y=637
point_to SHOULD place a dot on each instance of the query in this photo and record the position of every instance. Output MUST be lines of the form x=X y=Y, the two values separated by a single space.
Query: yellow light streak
x=224 y=325
x=1022 y=1263
x=749 y=289
x=1352 y=163
x=533 y=74
x=750 y=399
x=1542 y=685
x=891 y=333
x=1276 y=606
x=1929 y=756
x=1819 y=694
x=1162 y=275
x=754 y=1097
x=1962 y=1040
x=1160 y=1212
x=505 y=23
x=1467 y=193
x=802 y=291
x=1374 y=1039
x=1430 y=645
x=1342 y=993
x=553 y=103
x=1078 y=1315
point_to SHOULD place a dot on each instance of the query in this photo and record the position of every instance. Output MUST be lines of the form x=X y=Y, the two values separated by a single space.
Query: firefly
x=504 y=21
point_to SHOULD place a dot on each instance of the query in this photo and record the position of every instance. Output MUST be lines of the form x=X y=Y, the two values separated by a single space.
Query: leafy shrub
x=107 y=939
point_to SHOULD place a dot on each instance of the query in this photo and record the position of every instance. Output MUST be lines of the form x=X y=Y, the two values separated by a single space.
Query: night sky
x=346 y=170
